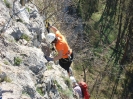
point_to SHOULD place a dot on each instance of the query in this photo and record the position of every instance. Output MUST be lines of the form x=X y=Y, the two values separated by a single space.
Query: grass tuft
x=26 y=37
x=8 y=5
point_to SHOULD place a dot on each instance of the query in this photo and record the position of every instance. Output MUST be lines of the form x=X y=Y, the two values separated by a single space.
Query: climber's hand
x=48 y=58
x=47 y=24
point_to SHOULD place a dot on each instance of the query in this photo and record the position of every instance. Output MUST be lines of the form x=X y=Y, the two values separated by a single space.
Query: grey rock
x=3 y=76
x=30 y=91
x=17 y=34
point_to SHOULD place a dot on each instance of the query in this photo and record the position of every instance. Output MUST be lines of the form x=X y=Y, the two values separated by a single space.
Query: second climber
x=65 y=54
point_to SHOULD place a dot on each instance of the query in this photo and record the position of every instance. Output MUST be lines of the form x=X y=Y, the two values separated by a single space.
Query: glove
x=48 y=58
x=47 y=24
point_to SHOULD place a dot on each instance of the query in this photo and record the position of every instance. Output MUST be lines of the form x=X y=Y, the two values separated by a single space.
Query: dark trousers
x=66 y=62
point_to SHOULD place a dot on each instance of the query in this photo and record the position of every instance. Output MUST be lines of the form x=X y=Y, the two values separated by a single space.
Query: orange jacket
x=62 y=44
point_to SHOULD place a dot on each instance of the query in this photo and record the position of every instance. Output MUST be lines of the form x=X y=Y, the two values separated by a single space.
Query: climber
x=65 y=55
x=76 y=87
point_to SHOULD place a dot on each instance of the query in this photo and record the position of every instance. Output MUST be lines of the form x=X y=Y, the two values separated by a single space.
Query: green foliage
x=98 y=49
x=67 y=93
x=96 y=16
x=78 y=67
x=49 y=67
x=39 y=90
x=128 y=81
x=28 y=9
x=17 y=61
x=12 y=40
x=6 y=63
x=25 y=93
x=67 y=82
x=26 y=37
x=86 y=9
x=7 y=79
x=111 y=37
x=58 y=85
x=4 y=77
x=8 y=5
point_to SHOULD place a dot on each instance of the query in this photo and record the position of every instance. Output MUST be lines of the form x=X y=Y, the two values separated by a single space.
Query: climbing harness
x=69 y=59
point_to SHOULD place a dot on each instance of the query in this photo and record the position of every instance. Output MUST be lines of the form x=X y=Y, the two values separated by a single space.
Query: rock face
x=23 y=68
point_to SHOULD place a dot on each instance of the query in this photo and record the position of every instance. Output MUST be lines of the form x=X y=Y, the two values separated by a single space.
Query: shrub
x=67 y=94
x=49 y=67
x=26 y=37
x=6 y=62
x=7 y=4
x=39 y=90
x=67 y=82
x=28 y=9
x=17 y=61
x=7 y=79
x=58 y=85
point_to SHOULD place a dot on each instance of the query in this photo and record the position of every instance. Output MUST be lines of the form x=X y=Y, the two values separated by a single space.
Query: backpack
x=84 y=89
